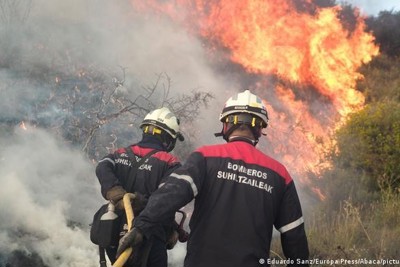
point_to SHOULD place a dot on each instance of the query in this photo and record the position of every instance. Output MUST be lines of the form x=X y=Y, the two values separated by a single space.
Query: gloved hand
x=133 y=238
x=115 y=195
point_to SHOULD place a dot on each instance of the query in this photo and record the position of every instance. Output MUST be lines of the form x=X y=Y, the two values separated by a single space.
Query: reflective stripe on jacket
x=114 y=169
x=240 y=195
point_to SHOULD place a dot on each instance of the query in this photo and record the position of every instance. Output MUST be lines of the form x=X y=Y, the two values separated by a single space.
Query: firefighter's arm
x=178 y=190
x=295 y=246
x=105 y=172
x=162 y=203
x=290 y=224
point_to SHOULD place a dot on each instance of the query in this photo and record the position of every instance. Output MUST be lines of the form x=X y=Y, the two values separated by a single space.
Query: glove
x=133 y=238
x=115 y=195
x=138 y=203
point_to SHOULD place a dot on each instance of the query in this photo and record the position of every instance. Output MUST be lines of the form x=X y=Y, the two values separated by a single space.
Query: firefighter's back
x=236 y=208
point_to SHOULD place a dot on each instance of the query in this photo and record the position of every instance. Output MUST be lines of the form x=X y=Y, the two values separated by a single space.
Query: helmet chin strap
x=167 y=141
x=169 y=145
x=227 y=132
x=243 y=138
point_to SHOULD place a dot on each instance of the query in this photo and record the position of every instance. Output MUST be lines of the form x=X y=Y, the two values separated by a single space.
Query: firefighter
x=160 y=131
x=240 y=195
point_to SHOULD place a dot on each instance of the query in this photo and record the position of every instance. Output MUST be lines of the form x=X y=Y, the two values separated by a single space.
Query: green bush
x=370 y=145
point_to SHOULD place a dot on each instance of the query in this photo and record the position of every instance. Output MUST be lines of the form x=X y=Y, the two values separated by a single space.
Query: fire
x=313 y=58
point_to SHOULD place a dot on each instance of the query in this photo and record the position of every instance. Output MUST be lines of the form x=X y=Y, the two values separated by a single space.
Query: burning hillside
x=68 y=67
x=304 y=59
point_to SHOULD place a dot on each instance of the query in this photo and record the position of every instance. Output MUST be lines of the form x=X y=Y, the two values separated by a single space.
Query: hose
x=129 y=217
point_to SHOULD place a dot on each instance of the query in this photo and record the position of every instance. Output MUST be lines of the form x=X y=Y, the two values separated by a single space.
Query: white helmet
x=245 y=102
x=164 y=119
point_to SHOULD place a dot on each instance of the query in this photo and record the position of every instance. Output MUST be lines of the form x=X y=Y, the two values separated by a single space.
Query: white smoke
x=49 y=190
x=177 y=255
x=48 y=195
x=65 y=36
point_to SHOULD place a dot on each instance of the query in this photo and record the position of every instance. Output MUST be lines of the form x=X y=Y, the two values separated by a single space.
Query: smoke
x=177 y=255
x=59 y=37
x=49 y=192
x=48 y=196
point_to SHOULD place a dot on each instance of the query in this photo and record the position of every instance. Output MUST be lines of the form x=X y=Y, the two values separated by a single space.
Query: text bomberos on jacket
x=250 y=176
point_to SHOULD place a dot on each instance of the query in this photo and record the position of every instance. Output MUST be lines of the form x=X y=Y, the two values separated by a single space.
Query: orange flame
x=310 y=50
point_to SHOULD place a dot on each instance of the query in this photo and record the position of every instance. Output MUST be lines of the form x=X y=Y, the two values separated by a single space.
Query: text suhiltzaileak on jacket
x=240 y=195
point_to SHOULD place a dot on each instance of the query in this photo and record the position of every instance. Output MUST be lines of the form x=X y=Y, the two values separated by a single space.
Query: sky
x=373 y=7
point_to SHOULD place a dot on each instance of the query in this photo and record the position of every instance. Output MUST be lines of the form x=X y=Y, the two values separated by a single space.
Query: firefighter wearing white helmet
x=118 y=174
x=240 y=195
x=243 y=109
x=163 y=124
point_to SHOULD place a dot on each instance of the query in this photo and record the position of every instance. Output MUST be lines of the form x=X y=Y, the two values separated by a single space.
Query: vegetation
x=386 y=31
x=369 y=144
x=360 y=217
